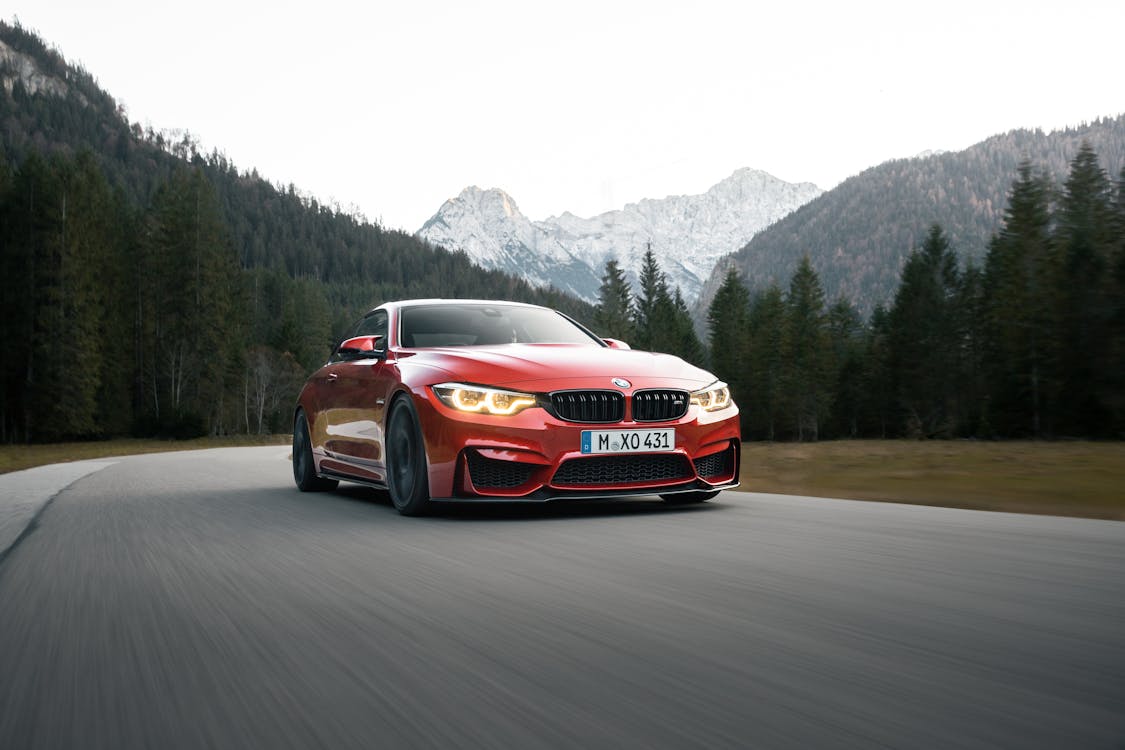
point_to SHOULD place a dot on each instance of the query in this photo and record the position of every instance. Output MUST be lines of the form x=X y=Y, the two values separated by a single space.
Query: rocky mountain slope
x=688 y=233
x=858 y=234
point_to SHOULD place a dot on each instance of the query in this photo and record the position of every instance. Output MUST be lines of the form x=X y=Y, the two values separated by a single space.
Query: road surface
x=196 y=599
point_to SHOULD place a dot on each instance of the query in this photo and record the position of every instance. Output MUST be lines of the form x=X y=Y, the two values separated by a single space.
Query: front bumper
x=534 y=456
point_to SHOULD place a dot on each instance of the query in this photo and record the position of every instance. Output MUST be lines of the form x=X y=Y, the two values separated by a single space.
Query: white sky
x=393 y=107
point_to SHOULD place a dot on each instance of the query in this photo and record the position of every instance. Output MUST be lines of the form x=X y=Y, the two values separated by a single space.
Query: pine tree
x=1020 y=280
x=89 y=242
x=58 y=231
x=972 y=385
x=188 y=293
x=23 y=240
x=1084 y=236
x=878 y=379
x=846 y=345
x=806 y=353
x=728 y=329
x=925 y=340
x=647 y=312
x=764 y=404
x=14 y=260
x=685 y=342
x=1115 y=358
x=613 y=316
x=662 y=321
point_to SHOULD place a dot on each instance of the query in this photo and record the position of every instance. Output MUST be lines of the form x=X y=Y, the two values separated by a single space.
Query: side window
x=374 y=324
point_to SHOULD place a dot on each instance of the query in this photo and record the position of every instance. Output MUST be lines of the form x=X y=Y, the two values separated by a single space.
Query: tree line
x=1029 y=345
x=156 y=319
x=120 y=319
x=655 y=319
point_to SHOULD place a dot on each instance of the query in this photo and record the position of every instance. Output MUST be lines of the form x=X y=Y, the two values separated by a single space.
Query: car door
x=357 y=391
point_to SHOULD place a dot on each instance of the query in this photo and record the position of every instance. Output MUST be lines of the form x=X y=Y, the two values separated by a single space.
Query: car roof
x=399 y=304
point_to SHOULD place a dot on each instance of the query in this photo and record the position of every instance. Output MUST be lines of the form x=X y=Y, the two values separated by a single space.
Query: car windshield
x=487 y=325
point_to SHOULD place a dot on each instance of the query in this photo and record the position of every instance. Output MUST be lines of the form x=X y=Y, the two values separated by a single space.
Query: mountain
x=488 y=227
x=858 y=234
x=688 y=233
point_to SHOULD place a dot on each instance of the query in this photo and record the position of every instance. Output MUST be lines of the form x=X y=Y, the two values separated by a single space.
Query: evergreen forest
x=1028 y=344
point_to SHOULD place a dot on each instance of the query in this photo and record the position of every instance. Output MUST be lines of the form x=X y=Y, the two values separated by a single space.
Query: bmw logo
x=621 y=382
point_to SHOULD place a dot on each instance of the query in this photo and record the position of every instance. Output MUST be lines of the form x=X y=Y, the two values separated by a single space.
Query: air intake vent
x=595 y=407
x=610 y=470
x=659 y=406
x=488 y=473
x=715 y=465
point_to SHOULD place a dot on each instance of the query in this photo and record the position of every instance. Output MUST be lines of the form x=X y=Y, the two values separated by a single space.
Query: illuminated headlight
x=712 y=398
x=478 y=400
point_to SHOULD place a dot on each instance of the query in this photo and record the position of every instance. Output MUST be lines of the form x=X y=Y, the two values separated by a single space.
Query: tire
x=689 y=498
x=304 y=467
x=407 y=473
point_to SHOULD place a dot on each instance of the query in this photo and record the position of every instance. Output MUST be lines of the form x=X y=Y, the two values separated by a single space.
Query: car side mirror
x=361 y=347
x=616 y=344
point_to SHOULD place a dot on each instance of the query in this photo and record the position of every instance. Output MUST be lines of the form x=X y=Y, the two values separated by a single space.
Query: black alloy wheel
x=304 y=468
x=407 y=477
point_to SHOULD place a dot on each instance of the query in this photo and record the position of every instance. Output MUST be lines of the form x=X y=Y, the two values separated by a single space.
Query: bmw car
x=471 y=401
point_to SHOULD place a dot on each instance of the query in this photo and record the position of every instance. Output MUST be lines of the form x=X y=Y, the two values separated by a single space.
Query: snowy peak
x=688 y=233
x=749 y=185
x=491 y=201
x=487 y=226
x=474 y=204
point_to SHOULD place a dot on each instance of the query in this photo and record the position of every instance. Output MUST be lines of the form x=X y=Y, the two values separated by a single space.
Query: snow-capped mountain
x=488 y=226
x=688 y=233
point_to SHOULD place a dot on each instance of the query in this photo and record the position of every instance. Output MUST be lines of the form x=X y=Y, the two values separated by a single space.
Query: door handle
x=332 y=377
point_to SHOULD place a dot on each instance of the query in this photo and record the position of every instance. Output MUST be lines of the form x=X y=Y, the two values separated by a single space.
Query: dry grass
x=1065 y=479
x=16 y=457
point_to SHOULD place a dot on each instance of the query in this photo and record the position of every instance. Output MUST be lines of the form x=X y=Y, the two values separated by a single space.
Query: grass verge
x=1080 y=479
x=16 y=457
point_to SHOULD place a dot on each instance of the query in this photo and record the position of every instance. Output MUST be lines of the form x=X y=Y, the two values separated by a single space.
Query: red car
x=465 y=400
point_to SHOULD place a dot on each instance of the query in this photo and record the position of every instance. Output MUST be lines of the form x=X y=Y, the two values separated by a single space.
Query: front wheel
x=688 y=498
x=304 y=468
x=407 y=476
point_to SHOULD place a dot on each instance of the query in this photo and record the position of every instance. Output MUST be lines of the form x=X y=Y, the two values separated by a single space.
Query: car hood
x=548 y=367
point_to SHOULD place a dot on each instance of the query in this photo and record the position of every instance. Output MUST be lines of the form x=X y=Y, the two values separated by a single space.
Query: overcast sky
x=584 y=106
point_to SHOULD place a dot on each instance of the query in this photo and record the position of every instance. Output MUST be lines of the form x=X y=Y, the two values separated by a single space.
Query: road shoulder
x=24 y=495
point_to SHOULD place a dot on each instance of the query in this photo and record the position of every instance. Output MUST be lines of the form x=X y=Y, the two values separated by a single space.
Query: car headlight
x=712 y=398
x=478 y=400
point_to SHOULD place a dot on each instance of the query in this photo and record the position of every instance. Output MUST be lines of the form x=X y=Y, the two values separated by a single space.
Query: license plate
x=628 y=441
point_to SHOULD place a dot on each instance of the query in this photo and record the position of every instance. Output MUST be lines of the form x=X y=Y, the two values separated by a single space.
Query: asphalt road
x=198 y=600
